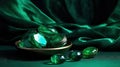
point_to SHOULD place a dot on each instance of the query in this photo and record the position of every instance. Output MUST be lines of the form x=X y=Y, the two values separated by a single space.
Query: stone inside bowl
x=40 y=39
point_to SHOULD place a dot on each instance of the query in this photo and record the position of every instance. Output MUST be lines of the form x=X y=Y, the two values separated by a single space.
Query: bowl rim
x=69 y=44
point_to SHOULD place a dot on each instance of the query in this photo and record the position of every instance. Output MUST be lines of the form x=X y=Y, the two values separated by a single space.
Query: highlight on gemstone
x=89 y=52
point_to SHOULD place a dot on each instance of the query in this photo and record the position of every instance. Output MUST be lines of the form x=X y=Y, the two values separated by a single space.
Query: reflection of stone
x=57 y=59
x=73 y=55
x=89 y=52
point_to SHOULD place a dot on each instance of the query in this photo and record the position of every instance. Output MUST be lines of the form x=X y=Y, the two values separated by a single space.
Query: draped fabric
x=19 y=16
x=84 y=22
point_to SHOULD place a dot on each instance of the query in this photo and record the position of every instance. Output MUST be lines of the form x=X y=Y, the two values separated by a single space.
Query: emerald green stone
x=24 y=44
x=57 y=59
x=40 y=39
x=37 y=40
x=46 y=31
x=21 y=44
x=55 y=41
x=73 y=55
x=89 y=52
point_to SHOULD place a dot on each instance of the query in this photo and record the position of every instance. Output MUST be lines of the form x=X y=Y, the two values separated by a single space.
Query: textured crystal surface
x=89 y=52
x=57 y=59
x=73 y=55
x=40 y=39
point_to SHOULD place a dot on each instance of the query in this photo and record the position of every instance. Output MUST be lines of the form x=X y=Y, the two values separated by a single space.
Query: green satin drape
x=84 y=22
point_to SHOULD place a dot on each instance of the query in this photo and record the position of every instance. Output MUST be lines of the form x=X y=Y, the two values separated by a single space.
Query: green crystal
x=55 y=41
x=40 y=39
x=48 y=32
x=89 y=52
x=73 y=55
x=24 y=44
x=37 y=40
x=21 y=44
x=57 y=59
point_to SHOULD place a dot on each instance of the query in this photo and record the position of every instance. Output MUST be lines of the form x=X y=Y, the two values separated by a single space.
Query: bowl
x=46 y=51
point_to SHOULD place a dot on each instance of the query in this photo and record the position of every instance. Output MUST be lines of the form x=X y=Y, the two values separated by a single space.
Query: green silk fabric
x=84 y=22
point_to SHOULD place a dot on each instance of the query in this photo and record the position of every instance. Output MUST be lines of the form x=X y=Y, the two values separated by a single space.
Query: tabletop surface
x=11 y=57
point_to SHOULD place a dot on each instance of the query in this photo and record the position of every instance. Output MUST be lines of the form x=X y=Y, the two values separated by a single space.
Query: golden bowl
x=46 y=51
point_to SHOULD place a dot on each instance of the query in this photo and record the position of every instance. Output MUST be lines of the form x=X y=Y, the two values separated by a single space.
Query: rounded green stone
x=21 y=44
x=55 y=41
x=73 y=55
x=89 y=52
x=57 y=59
x=40 y=39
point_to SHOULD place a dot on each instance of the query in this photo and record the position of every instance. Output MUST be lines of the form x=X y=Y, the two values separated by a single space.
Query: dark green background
x=85 y=23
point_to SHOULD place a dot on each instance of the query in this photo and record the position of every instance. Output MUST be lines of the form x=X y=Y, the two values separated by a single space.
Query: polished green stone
x=40 y=39
x=89 y=52
x=56 y=41
x=46 y=31
x=37 y=40
x=21 y=44
x=57 y=59
x=73 y=55
x=24 y=44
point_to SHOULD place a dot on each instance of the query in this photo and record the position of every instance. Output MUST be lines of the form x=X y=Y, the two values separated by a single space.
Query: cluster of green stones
x=44 y=38
x=74 y=55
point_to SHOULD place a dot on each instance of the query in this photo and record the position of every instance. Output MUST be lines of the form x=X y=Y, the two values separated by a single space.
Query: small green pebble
x=21 y=44
x=57 y=59
x=73 y=55
x=89 y=52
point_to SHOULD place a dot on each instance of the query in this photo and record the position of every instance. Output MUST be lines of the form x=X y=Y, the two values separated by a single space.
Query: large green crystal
x=38 y=40
x=89 y=52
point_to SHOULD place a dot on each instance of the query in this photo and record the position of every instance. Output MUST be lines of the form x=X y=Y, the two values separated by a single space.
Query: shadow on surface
x=15 y=54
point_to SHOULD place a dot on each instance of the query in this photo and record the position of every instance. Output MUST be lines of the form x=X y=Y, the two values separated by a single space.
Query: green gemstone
x=37 y=40
x=40 y=39
x=89 y=52
x=46 y=31
x=73 y=55
x=57 y=59
x=55 y=41
x=21 y=44
x=24 y=44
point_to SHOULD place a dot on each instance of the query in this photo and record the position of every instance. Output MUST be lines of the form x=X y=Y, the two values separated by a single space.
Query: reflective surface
x=89 y=52
x=73 y=55
x=57 y=59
